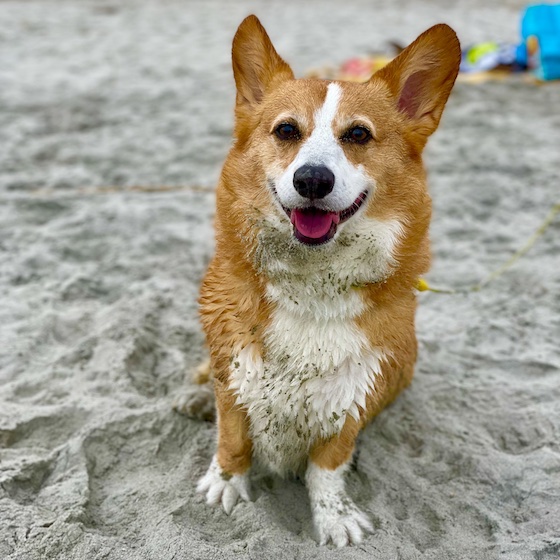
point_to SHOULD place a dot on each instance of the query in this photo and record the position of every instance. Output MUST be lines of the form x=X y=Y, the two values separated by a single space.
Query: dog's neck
x=304 y=278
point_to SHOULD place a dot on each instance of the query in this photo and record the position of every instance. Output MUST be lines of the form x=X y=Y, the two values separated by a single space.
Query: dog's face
x=319 y=160
x=321 y=155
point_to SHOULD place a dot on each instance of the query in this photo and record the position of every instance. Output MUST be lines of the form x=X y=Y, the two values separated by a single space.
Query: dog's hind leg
x=203 y=373
x=198 y=401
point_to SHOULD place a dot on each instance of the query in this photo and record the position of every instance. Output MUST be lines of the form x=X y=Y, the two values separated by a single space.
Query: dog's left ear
x=421 y=79
x=257 y=67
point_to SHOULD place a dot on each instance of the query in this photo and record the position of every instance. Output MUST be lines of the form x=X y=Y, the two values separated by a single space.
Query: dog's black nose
x=313 y=181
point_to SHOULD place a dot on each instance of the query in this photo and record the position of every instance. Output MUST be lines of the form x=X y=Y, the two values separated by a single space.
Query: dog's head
x=324 y=154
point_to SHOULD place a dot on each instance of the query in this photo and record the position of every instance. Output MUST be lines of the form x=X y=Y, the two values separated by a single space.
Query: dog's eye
x=287 y=131
x=357 y=135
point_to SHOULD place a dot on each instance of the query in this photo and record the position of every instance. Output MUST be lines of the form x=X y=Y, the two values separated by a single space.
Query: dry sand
x=98 y=314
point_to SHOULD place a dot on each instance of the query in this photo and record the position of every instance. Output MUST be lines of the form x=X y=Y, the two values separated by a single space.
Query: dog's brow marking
x=322 y=142
x=324 y=117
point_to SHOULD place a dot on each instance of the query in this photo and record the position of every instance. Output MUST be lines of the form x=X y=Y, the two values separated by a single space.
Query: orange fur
x=234 y=445
x=335 y=451
x=234 y=309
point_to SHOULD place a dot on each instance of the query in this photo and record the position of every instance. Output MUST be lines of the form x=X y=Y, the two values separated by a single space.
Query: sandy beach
x=115 y=118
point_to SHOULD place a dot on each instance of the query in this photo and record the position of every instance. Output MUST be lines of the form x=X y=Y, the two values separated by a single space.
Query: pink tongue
x=313 y=223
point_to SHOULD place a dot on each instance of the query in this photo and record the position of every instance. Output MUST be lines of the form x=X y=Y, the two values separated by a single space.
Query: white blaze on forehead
x=322 y=145
x=323 y=148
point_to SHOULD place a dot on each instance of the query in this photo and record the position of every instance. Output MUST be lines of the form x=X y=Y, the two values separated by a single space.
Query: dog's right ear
x=257 y=67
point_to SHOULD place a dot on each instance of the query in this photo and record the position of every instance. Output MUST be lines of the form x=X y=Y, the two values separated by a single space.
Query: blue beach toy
x=540 y=46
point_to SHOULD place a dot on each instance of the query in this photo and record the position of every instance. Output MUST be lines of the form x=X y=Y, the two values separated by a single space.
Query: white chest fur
x=313 y=374
x=317 y=366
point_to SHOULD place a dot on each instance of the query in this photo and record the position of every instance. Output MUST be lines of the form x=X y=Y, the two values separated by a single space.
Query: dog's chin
x=313 y=226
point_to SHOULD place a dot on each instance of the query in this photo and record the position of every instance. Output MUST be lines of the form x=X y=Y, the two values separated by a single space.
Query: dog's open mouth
x=314 y=226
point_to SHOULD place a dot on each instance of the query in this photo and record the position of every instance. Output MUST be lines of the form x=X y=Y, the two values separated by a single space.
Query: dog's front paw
x=335 y=516
x=219 y=486
x=338 y=520
x=196 y=402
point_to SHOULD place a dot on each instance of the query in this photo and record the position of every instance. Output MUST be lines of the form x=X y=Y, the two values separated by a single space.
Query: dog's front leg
x=227 y=477
x=335 y=516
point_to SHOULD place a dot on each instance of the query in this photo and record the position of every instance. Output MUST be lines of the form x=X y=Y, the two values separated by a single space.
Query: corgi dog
x=321 y=235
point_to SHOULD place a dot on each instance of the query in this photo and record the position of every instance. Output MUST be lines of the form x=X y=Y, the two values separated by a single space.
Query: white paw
x=335 y=516
x=339 y=521
x=196 y=402
x=222 y=487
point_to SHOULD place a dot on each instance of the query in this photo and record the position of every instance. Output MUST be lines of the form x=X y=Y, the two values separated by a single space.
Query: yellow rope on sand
x=423 y=285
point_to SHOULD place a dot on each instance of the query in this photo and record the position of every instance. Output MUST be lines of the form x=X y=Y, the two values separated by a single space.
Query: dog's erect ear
x=257 y=67
x=421 y=78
